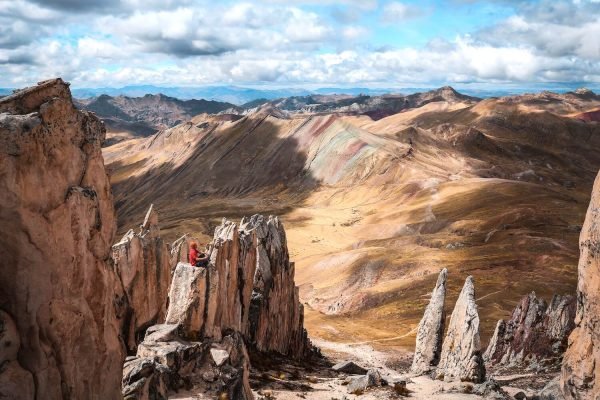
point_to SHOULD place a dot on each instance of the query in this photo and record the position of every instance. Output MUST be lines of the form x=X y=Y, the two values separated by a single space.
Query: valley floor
x=321 y=383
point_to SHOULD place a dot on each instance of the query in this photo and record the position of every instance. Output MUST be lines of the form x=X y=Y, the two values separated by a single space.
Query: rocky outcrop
x=245 y=294
x=461 y=352
x=57 y=225
x=430 y=332
x=166 y=362
x=535 y=332
x=142 y=261
x=276 y=314
x=581 y=369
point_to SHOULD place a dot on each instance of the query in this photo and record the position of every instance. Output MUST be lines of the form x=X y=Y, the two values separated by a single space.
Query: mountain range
x=379 y=193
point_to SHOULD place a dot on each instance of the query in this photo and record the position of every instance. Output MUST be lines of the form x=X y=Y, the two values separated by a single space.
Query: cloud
x=276 y=42
x=77 y=5
x=396 y=11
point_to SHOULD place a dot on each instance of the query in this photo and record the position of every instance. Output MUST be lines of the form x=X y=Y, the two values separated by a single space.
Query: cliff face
x=276 y=314
x=534 y=332
x=581 y=368
x=57 y=225
x=142 y=261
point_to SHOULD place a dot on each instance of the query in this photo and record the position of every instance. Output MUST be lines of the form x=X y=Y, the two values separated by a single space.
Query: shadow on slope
x=240 y=170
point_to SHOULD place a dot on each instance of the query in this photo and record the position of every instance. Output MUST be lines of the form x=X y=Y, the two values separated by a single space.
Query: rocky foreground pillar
x=142 y=261
x=461 y=358
x=430 y=332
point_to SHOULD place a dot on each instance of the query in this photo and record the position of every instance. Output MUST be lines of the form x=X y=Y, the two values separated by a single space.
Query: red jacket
x=193 y=256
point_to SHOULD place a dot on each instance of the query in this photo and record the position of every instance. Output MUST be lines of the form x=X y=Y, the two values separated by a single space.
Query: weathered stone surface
x=490 y=389
x=15 y=382
x=534 y=332
x=166 y=363
x=349 y=367
x=359 y=384
x=142 y=261
x=581 y=366
x=230 y=273
x=461 y=352
x=552 y=391
x=430 y=332
x=57 y=225
x=180 y=250
x=187 y=299
x=145 y=379
x=219 y=356
x=276 y=314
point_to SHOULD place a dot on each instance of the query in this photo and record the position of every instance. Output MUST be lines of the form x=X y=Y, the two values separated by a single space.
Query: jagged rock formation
x=535 y=332
x=142 y=261
x=461 y=352
x=57 y=225
x=165 y=361
x=180 y=250
x=246 y=293
x=431 y=329
x=581 y=369
x=276 y=314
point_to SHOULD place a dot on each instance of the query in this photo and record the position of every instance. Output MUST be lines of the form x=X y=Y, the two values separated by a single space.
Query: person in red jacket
x=196 y=258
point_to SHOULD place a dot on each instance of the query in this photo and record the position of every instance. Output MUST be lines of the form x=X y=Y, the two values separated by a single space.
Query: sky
x=304 y=43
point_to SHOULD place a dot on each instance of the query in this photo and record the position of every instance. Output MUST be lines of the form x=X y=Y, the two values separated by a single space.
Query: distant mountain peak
x=583 y=91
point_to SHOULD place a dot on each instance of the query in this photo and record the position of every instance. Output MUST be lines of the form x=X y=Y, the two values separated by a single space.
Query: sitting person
x=196 y=258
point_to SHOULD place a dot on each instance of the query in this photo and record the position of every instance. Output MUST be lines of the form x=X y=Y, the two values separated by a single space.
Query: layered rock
x=535 y=332
x=166 y=362
x=581 y=367
x=461 y=358
x=57 y=225
x=276 y=315
x=430 y=332
x=142 y=261
x=246 y=293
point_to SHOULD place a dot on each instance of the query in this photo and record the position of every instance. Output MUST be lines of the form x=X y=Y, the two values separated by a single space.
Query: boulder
x=430 y=332
x=142 y=261
x=580 y=376
x=57 y=225
x=552 y=391
x=219 y=356
x=349 y=367
x=276 y=314
x=461 y=359
x=145 y=379
x=490 y=389
x=534 y=332
x=166 y=363
x=360 y=384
